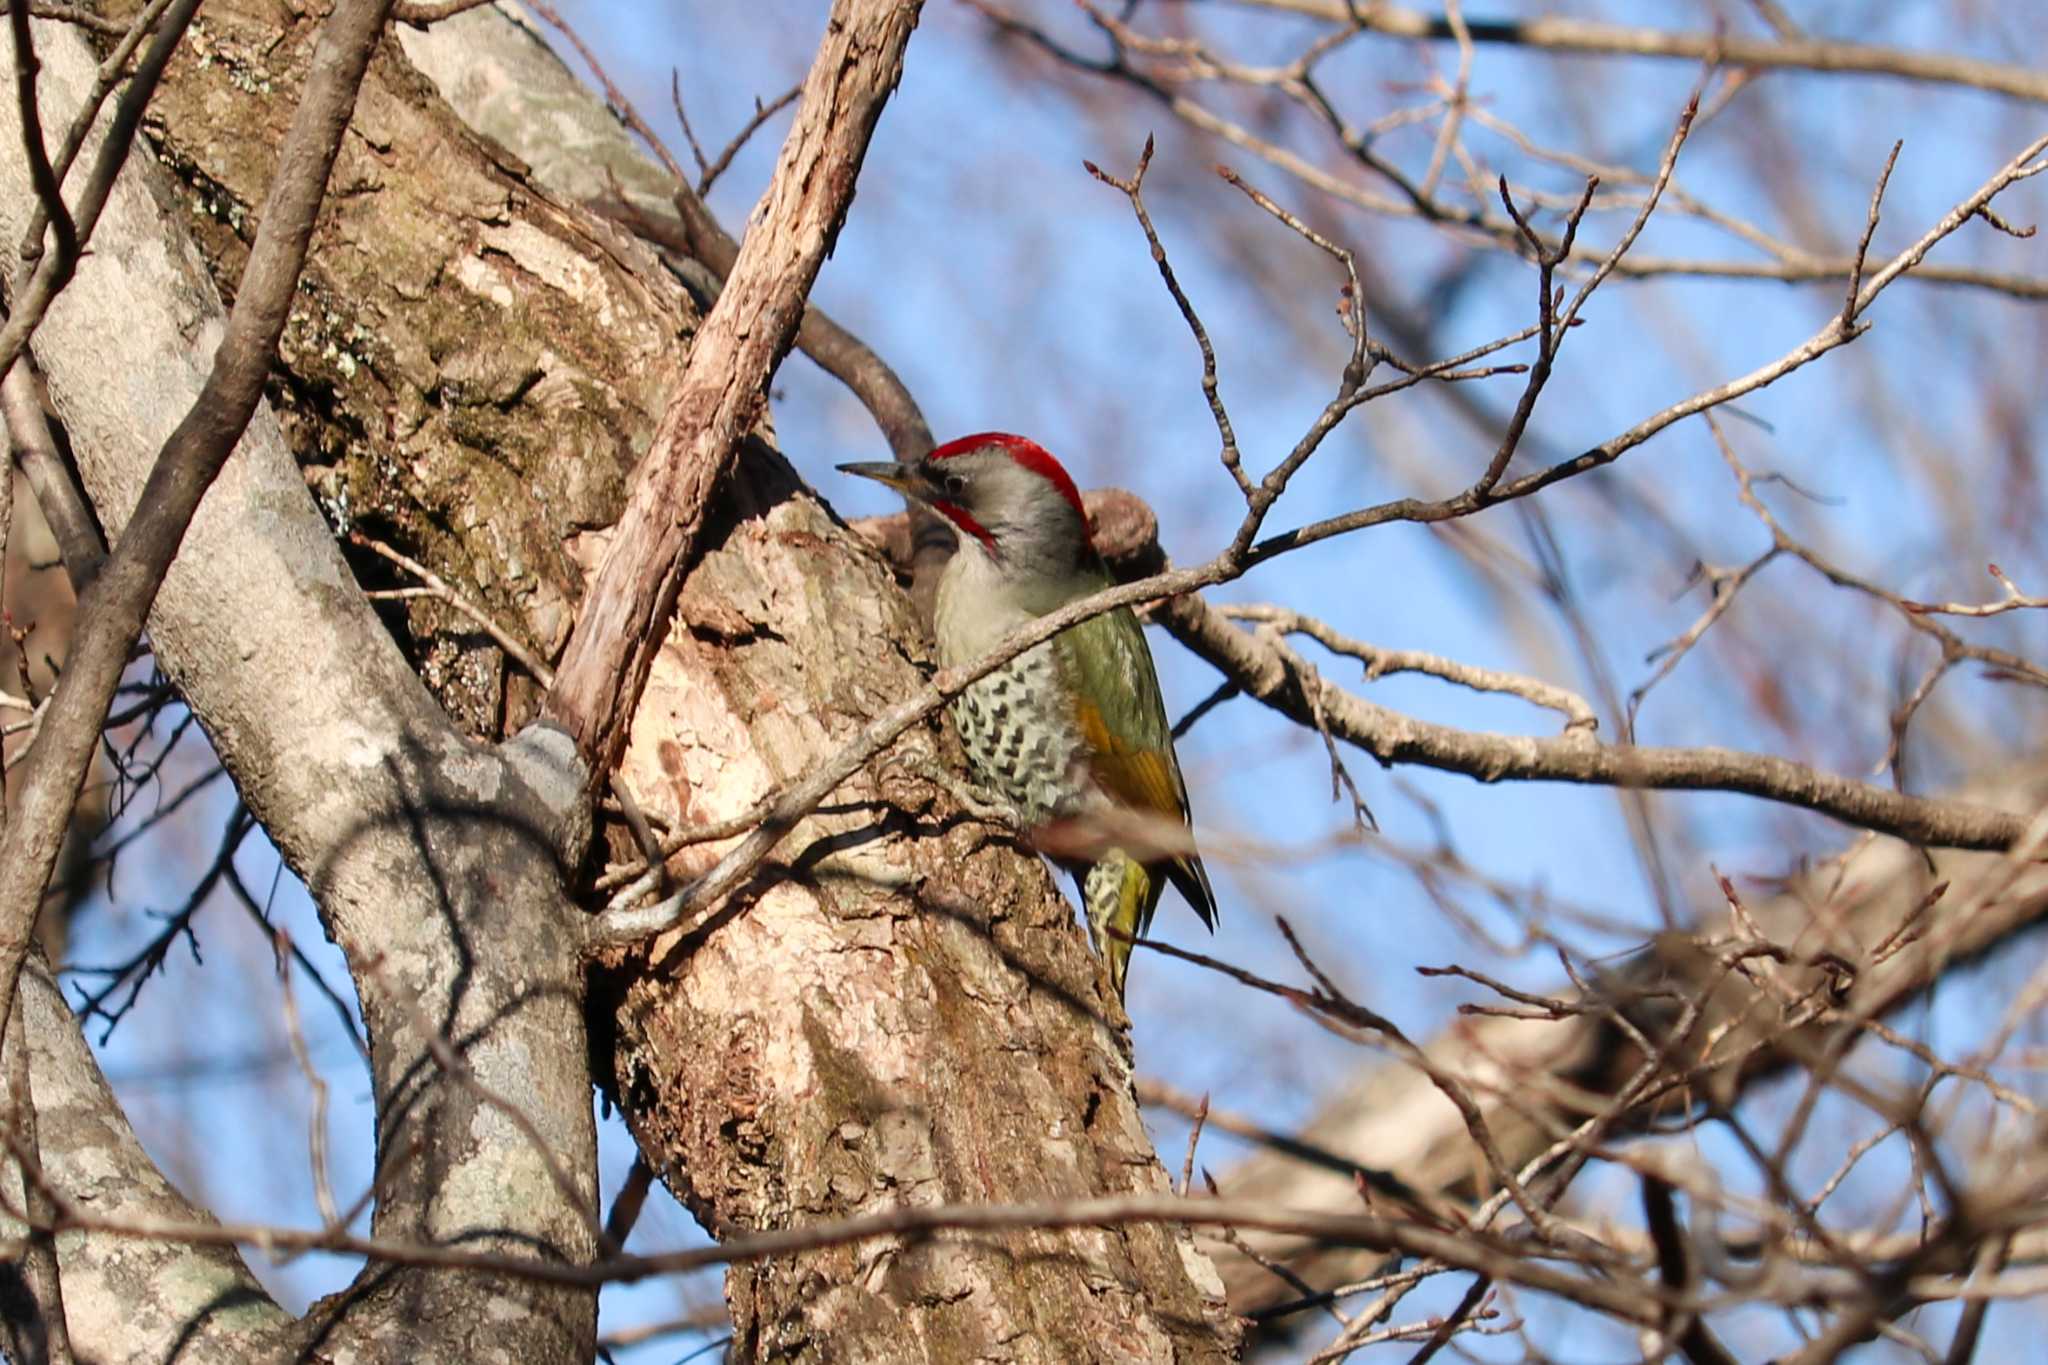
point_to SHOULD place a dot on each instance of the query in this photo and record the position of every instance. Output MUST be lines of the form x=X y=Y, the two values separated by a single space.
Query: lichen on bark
x=472 y=366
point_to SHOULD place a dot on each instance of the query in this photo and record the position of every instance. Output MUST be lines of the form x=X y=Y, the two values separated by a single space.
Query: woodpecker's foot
x=978 y=802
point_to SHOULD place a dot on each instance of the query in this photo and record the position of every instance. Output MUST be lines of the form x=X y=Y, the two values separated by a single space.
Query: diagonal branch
x=724 y=386
x=1261 y=665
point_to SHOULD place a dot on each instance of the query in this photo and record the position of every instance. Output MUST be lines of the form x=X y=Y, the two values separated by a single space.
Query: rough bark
x=901 y=1008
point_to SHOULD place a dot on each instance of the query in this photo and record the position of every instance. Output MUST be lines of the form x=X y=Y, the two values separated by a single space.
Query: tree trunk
x=900 y=1009
x=438 y=866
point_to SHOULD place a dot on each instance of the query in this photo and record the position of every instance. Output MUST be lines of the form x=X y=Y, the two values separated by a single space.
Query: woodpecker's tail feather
x=1119 y=893
x=1191 y=879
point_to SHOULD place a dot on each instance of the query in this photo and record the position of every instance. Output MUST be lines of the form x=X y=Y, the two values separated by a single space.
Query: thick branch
x=127 y=1299
x=112 y=610
x=37 y=1332
x=1260 y=665
x=1263 y=666
x=725 y=383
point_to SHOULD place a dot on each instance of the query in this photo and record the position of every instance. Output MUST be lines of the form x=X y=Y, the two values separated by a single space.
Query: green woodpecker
x=1072 y=732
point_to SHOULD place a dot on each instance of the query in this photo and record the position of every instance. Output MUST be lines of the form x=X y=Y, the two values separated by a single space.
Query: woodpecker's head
x=1005 y=493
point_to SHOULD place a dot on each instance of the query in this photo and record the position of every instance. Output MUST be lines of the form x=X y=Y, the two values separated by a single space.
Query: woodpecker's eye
x=954 y=484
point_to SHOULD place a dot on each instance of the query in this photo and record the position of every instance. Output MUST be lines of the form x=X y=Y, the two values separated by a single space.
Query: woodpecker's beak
x=907 y=479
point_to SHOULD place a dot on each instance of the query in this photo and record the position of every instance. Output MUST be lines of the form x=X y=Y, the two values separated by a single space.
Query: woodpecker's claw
x=977 y=801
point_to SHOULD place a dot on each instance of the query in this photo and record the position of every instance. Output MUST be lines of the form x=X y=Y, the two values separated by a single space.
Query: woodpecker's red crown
x=1027 y=453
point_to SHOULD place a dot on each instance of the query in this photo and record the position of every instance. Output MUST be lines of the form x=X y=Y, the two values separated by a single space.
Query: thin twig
x=438 y=589
x=762 y=113
x=1849 y=301
x=1133 y=189
x=1187 y=1166
x=323 y=1192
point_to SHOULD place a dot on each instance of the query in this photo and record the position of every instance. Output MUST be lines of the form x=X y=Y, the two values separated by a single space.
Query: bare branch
x=1380 y=662
x=1133 y=189
x=762 y=113
x=724 y=385
x=1558 y=33
x=1471 y=1250
x=2014 y=600
x=63 y=506
x=70 y=14
x=1830 y=337
x=434 y=586
x=1259 y=668
x=1849 y=303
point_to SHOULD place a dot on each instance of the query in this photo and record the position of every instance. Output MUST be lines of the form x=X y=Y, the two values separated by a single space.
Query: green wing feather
x=1122 y=715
